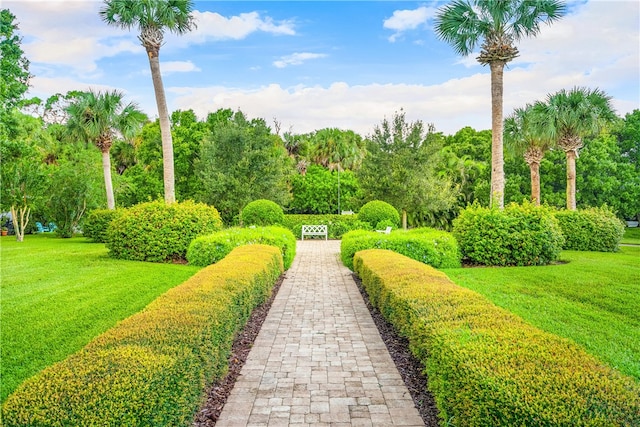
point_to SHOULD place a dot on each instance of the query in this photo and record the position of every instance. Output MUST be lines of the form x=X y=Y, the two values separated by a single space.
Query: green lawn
x=594 y=300
x=58 y=294
x=631 y=236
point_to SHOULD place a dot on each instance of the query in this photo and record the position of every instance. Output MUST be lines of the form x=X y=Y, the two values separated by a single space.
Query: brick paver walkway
x=319 y=359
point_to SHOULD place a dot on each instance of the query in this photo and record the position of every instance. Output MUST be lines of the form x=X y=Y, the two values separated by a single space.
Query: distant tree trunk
x=20 y=219
x=571 y=179
x=497 y=156
x=404 y=219
x=108 y=184
x=535 y=183
x=165 y=127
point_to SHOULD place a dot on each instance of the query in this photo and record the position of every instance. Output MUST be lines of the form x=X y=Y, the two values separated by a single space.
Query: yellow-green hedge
x=486 y=366
x=153 y=367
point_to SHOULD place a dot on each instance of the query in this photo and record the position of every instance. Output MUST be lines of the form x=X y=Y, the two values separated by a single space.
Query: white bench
x=385 y=231
x=314 y=230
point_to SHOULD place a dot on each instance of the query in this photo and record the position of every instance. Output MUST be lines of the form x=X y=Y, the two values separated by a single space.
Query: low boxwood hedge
x=518 y=235
x=158 y=232
x=427 y=245
x=593 y=229
x=153 y=368
x=337 y=225
x=206 y=250
x=486 y=366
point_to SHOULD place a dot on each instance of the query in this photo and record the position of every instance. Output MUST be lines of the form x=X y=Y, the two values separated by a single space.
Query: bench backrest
x=314 y=228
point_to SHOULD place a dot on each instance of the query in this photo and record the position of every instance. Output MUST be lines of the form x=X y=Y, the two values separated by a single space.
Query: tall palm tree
x=528 y=133
x=99 y=118
x=575 y=114
x=495 y=25
x=152 y=18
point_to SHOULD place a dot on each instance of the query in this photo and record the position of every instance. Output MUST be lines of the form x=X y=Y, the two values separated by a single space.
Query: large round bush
x=377 y=211
x=159 y=232
x=262 y=212
x=594 y=229
x=96 y=224
x=518 y=235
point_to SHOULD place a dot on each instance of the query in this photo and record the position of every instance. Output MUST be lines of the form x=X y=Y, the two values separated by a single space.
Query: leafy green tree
x=400 y=168
x=242 y=161
x=526 y=133
x=14 y=66
x=152 y=18
x=495 y=25
x=573 y=115
x=188 y=135
x=316 y=192
x=99 y=118
x=22 y=173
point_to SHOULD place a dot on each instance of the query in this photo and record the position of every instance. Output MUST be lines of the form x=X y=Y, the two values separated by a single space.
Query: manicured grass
x=593 y=300
x=58 y=294
x=631 y=236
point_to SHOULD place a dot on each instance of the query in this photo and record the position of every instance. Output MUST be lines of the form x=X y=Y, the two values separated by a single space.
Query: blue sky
x=311 y=65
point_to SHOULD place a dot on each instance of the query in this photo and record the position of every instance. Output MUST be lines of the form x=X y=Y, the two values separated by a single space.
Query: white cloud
x=404 y=20
x=297 y=58
x=213 y=26
x=178 y=67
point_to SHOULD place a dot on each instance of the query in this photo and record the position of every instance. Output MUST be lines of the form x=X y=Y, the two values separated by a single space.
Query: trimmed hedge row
x=594 y=229
x=518 y=235
x=427 y=245
x=158 y=232
x=486 y=366
x=337 y=225
x=97 y=222
x=206 y=250
x=153 y=367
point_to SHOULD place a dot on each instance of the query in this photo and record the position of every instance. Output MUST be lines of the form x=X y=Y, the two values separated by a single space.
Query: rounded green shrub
x=593 y=229
x=210 y=249
x=376 y=211
x=427 y=245
x=158 y=232
x=97 y=222
x=262 y=212
x=518 y=235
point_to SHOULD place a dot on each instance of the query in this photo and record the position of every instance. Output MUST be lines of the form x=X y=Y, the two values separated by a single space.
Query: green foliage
x=240 y=162
x=401 y=167
x=593 y=229
x=96 y=224
x=262 y=212
x=209 y=249
x=153 y=368
x=518 y=235
x=486 y=366
x=429 y=246
x=14 y=66
x=337 y=225
x=316 y=192
x=158 y=232
x=376 y=210
x=631 y=236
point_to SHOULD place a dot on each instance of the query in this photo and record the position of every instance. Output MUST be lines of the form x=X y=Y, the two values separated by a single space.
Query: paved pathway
x=319 y=359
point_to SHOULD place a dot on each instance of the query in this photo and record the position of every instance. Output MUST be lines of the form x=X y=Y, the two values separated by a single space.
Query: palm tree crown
x=151 y=17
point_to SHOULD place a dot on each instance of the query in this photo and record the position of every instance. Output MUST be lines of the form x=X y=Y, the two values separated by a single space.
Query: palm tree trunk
x=404 y=219
x=108 y=184
x=165 y=128
x=497 y=156
x=571 y=179
x=534 y=169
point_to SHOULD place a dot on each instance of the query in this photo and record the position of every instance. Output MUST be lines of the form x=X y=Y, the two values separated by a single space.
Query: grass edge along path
x=153 y=367
x=58 y=294
x=593 y=299
x=485 y=365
